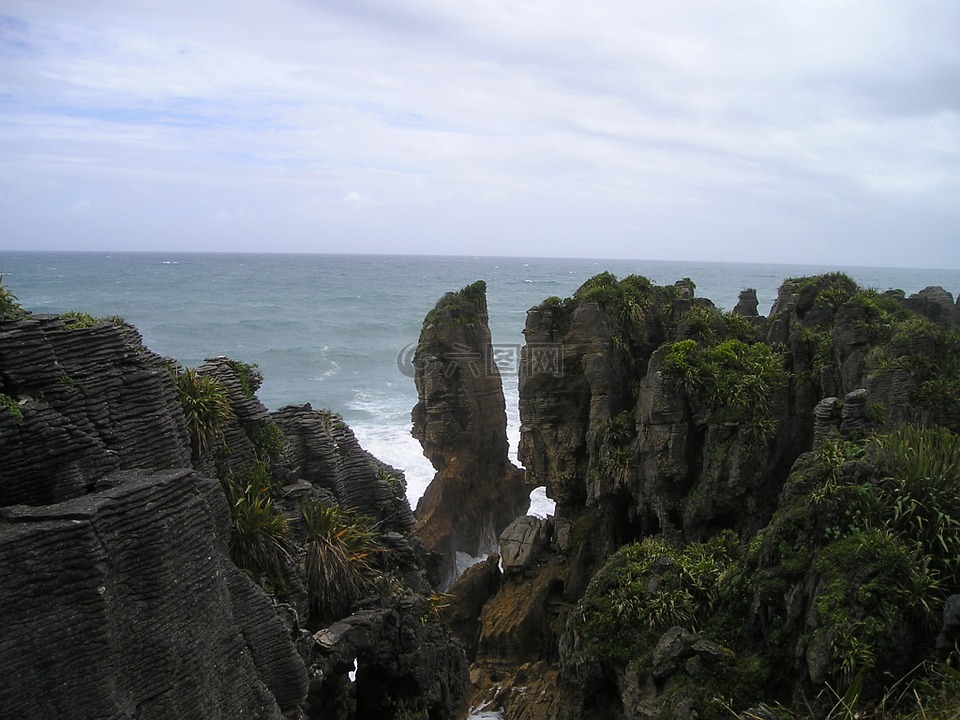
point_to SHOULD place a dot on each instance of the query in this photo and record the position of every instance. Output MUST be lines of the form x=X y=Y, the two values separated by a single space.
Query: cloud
x=746 y=130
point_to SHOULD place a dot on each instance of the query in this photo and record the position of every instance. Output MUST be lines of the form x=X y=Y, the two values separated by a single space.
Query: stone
x=747 y=303
x=520 y=543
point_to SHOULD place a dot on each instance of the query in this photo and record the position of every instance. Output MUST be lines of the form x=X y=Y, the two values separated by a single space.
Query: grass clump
x=259 y=533
x=78 y=320
x=206 y=408
x=336 y=558
x=12 y=406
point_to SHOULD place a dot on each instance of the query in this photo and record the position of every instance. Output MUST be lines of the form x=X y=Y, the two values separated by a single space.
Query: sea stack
x=460 y=420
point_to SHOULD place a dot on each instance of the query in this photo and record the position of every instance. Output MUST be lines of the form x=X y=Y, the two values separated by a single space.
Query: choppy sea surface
x=329 y=329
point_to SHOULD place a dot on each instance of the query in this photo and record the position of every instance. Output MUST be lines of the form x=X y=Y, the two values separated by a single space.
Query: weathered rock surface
x=629 y=449
x=110 y=544
x=460 y=419
x=92 y=400
x=147 y=614
x=326 y=454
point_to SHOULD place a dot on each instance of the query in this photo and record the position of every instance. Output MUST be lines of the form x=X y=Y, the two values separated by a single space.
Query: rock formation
x=670 y=435
x=461 y=421
x=115 y=541
x=148 y=614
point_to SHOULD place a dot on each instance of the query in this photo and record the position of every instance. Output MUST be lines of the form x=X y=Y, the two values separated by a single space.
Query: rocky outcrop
x=403 y=662
x=325 y=453
x=89 y=401
x=460 y=419
x=658 y=416
x=113 y=543
x=147 y=614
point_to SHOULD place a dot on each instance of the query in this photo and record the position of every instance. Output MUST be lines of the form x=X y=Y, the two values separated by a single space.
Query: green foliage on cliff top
x=461 y=307
x=932 y=355
x=250 y=376
x=737 y=380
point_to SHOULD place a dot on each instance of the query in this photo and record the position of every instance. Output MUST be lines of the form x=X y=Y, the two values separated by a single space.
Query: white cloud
x=688 y=130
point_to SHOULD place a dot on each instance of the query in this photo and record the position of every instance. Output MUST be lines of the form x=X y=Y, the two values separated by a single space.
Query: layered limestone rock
x=148 y=614
x=326 y=454
x=90 y=401
x=111 y=544
x=460 y=419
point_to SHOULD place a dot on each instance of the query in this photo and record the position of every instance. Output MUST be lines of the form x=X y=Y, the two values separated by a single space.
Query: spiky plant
x=9 y=304
x=336 y=558
x=206 y=408
x=259 y=533
x=921 y=483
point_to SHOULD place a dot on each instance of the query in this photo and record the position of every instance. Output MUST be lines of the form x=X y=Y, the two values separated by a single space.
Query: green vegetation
x=269 y=442
x=736 y=380
x=9 y=303
x=206 y=408
x=250 y=376
x=259 y=537
x=78 y=320
x=461 y=307
x=336 y=558
x=12 y=406
x=646 y=588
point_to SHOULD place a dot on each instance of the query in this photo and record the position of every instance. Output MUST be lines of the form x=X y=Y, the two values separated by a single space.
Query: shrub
x=78 y=320
x=206 y=408
x=9 y=304
x=250 y=376
x=623 y=612
x=336 y=558
x=460 y=307
x=259 y=532
x=737 y=380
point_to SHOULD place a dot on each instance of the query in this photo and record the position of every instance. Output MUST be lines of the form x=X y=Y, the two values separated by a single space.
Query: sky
x=821 y=131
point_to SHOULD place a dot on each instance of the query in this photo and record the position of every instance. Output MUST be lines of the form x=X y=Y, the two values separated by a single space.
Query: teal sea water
x=328 y=329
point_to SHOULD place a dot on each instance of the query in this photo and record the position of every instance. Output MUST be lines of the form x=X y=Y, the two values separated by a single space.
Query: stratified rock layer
x=461 y=422
x=124 y=603
x=93 y=400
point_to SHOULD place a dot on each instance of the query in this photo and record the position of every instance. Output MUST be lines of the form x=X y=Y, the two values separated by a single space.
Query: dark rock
x=405 y=665
x=520 y=543
x=465 y=600
x=326 y=454
x=93 y=401
x=747 y=303
x=151 y=616
x=948 y=641
x=460 y=419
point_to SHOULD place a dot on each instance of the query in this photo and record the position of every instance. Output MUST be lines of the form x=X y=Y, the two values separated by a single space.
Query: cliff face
x=460 y=420
x=147 y=614
x=92 y=400
x=121 y=557
x=114 y=538
x=667 y=435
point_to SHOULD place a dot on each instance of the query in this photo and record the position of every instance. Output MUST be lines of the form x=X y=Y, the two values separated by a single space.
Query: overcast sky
x=805 y=131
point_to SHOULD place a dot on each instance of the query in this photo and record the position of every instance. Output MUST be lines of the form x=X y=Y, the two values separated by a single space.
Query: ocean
x=334 y=330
